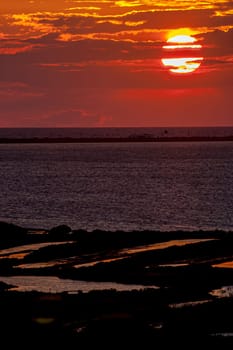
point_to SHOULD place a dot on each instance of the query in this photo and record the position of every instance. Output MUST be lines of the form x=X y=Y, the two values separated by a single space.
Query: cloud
x=47 y=53
x=217 y=46
x=53 y=65
x=219 y=38
x=151 y=17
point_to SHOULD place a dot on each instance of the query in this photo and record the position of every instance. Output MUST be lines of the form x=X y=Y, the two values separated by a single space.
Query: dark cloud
x=53 y=65
x=219 y=38
x=49 y=50
x=91 y=62
x=78 y=24
x=217 y=45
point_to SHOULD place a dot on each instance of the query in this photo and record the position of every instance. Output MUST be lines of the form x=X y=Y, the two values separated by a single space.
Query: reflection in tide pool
x=52 y=284
x=164 y=245
x=23 y=250
x=225 y=334
x=224 y=292
x=226 y=264
x=189 y=303
x=121 y=254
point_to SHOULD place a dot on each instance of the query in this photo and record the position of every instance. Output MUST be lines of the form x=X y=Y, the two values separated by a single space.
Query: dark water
x=133 y=186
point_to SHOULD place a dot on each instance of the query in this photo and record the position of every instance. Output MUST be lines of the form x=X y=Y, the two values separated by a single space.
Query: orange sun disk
x=182 y=64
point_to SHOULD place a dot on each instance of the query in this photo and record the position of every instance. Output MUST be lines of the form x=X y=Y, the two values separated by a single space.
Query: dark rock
x=60 y=231
x=4 y=286
x=10 y=231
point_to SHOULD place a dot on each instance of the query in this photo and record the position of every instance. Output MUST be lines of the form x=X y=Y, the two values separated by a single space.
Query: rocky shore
x=179 y=288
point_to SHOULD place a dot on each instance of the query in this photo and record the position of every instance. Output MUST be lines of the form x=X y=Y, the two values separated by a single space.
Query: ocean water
x=117 y=186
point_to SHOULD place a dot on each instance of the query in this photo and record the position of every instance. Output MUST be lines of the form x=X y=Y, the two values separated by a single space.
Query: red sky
x=66 y=63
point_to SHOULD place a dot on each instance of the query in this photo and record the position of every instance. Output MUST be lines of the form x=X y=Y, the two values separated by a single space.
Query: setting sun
x=178 y=39
x=182 y=65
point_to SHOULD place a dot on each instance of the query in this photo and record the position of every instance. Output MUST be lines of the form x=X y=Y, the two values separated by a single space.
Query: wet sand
x=176 y=288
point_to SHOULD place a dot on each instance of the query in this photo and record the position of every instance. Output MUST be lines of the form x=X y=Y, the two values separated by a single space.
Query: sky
x=70 y=63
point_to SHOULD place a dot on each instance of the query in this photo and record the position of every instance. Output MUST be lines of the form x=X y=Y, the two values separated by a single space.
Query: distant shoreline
x=116 y=139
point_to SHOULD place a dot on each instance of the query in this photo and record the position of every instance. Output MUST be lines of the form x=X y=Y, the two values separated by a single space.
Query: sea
x=127 y=186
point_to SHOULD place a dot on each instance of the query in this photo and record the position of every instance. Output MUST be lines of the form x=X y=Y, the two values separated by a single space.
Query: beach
x=135 y=288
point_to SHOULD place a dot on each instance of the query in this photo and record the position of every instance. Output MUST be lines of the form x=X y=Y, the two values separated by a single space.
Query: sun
x=178 y=39
x=182 y=54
